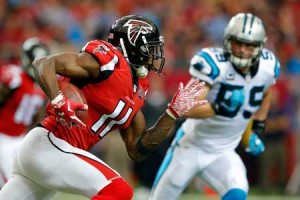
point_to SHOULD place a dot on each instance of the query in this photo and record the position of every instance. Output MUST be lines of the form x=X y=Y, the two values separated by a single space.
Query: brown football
x=74 y=93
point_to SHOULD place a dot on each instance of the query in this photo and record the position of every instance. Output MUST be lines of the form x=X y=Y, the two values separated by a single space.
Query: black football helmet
x=140 y=42
x=32 y=48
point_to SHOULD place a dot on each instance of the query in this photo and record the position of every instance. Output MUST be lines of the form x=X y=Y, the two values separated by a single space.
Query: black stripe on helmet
x=245 y=22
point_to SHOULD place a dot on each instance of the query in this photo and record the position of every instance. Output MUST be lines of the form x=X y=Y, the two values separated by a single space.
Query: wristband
x=57 y=99
x=258 y=126
x=170 y=113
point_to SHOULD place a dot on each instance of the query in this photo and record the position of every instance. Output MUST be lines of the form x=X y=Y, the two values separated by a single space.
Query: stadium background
x=187 y=25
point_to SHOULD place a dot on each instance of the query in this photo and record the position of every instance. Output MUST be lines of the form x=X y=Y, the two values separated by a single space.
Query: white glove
x=186 y=98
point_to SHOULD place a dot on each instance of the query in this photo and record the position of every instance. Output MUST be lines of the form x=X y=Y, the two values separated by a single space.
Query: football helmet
x=140 y=42
x=246 y=28
x=32 y=48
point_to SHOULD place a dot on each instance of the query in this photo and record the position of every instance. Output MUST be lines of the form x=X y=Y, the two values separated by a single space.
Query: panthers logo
x=135 y=28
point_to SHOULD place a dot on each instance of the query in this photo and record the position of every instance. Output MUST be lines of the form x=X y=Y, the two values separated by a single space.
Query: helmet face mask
x=140 y=42
x=155 y=54
x=249 y=30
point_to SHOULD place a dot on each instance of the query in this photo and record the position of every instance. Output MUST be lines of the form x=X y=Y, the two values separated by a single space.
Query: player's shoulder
x=98 y=47
x=210 y=53
x=212 y=56
x=102 y=51
x=269 y=63
x=209 y=62
x=212 y=50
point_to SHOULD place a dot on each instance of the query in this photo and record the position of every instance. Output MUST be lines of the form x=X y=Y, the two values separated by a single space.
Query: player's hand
x=186 y=98
x=255 y=146
x=65 y=111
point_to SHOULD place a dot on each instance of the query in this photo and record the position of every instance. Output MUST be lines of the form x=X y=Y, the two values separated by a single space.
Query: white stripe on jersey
x=111 y=65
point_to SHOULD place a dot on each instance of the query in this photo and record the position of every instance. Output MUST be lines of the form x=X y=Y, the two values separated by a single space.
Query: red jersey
x=18 y=111
x=113 y=98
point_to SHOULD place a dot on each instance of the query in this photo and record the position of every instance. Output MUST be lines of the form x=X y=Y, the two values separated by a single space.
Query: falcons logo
x=135 y=28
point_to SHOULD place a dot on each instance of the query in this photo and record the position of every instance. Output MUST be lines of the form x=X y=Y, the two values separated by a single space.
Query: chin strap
x=141 y=71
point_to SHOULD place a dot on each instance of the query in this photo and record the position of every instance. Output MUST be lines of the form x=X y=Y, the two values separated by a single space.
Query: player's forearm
x=185 y=98
x=45 y=74
x=201 y=112
x=262 y=113
x=155 y=135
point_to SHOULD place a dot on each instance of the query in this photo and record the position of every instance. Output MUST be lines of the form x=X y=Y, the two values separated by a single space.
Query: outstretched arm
x=141 y=142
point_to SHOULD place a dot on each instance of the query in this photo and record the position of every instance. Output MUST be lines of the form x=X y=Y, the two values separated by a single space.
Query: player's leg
x=175 y=173
x=19 y=187
x=227 y=175
x=8 y=148
x=55 y=164
x=117 y=189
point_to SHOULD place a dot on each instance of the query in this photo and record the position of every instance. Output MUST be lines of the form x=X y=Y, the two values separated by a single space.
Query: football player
x=113 y=77
x=21 y=103
x=238 y=77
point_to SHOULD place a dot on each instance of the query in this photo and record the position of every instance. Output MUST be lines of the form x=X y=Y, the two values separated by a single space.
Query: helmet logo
x=136 y=28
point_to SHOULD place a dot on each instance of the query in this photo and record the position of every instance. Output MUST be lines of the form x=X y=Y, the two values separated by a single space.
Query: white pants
x=222 y=171
x=45 y=164
x=8 y=148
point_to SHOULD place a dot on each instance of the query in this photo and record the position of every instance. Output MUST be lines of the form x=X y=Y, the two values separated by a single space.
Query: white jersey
x=224 y=131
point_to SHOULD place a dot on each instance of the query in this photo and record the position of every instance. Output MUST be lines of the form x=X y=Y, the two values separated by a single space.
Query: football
x=72 y=92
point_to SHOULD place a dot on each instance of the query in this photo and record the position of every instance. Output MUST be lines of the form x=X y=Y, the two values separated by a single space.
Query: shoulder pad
x=270 y=63
x=103 y=52
x=205 y=64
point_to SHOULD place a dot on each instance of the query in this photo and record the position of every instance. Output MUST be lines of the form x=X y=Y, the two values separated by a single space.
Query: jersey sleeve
x=271 y=65
x=276 y=69
x=204 y=67
x=103 y=53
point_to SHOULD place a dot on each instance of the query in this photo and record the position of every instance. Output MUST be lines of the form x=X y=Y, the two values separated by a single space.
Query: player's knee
x=117 y=189
x=235 y=194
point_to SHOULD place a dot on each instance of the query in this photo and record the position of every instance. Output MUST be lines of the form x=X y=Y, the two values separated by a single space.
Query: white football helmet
x=32 y=48
x=247 y=28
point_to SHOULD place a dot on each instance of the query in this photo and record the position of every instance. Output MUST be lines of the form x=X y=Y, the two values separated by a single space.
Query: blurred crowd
x=187 y=25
